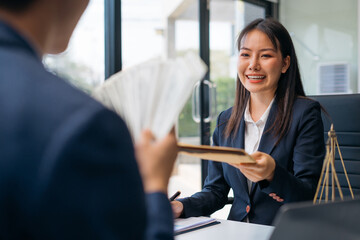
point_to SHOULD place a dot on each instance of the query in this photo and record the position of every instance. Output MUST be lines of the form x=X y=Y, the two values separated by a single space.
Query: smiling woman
x=260 y=65
x=269 y=34
x=274 y=122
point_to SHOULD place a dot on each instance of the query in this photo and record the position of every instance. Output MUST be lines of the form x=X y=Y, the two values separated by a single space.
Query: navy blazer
x=298 y=155
x=67 y=164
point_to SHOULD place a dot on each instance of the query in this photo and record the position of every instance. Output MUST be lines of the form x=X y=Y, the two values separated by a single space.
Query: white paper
x=152 y=94
x=185 y=224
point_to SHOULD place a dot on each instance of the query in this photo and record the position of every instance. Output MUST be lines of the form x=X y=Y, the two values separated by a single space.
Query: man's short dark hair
x=15 y=5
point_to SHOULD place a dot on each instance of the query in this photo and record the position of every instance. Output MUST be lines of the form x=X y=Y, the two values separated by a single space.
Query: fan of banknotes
x=152 y=94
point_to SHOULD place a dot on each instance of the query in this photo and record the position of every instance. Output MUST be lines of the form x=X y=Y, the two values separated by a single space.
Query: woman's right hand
x=177 y=208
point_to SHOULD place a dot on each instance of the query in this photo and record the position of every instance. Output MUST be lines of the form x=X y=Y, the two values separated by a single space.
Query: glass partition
x=142 y=31
x=325 y=35
x=227 y=19
x=166 y=29
x=82 y=64
x=224 y=29
x=182 y=36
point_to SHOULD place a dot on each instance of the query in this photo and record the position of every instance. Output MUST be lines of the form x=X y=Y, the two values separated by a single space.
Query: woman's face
x=260 y=64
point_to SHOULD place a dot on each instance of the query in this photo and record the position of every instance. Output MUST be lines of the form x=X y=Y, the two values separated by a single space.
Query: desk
x=229 y=230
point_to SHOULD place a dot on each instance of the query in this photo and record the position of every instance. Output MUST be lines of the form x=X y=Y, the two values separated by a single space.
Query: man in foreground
x=67 y=164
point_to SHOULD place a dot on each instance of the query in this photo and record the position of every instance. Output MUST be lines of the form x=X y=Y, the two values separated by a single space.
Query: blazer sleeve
x=300 y=182
x=88 y=185
x=214 y=193
x=160 y=218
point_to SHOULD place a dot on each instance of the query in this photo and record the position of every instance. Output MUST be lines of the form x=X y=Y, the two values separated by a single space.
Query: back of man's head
x=15 y=5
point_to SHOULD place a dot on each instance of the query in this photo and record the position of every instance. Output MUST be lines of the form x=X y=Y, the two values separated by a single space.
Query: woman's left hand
x=263 y=169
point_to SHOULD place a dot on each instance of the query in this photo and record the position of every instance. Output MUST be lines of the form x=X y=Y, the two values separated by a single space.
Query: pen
x=172 y=198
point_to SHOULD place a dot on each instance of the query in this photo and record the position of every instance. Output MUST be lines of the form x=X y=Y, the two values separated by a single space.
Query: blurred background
x=114 y=34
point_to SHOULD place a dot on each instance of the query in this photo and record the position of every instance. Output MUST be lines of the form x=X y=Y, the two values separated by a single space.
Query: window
x=157 y=28
x=224 y=29
x=142 y=31
x=82 y=64
x=227 y=19
x=182 y=36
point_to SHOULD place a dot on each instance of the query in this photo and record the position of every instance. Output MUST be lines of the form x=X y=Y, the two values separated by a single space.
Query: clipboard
x=216 y=153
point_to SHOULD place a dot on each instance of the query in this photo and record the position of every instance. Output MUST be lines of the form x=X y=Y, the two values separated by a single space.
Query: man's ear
x=286 y=64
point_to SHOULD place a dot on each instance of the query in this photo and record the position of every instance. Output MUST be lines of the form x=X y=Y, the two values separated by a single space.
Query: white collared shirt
x=254 y=131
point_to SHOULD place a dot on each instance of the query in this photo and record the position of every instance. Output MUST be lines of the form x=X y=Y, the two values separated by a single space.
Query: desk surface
x=229 y=230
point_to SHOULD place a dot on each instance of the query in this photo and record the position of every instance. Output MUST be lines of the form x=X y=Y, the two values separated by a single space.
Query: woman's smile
x=260 y=64
x=255 y=78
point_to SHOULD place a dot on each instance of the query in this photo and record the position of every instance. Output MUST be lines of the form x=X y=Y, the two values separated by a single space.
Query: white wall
x=323 y=31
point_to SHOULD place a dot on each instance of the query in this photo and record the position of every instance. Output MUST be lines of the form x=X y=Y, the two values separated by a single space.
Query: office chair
x=344 y=112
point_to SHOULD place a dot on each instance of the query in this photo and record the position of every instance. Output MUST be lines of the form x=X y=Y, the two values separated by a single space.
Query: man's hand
x=156 y=160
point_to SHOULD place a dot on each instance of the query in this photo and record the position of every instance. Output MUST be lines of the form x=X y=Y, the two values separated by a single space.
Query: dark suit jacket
x=299 y=156
x=67 y=165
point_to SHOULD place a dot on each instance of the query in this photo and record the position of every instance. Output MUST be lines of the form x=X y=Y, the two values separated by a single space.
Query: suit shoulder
x=305 y=103
x=305 y=108
x=224 y=115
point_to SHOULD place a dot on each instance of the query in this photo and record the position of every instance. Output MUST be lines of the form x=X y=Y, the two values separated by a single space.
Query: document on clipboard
x=215 y=153
x=183 y=225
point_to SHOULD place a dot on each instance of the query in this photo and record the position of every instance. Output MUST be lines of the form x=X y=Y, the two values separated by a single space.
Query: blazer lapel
x=238 y=142
x=268 y=140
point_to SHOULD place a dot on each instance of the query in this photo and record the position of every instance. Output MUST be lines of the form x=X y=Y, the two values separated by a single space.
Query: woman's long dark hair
x=289 y=85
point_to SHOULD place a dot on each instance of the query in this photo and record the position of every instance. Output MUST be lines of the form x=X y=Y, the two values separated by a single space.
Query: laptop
x=329 y=221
